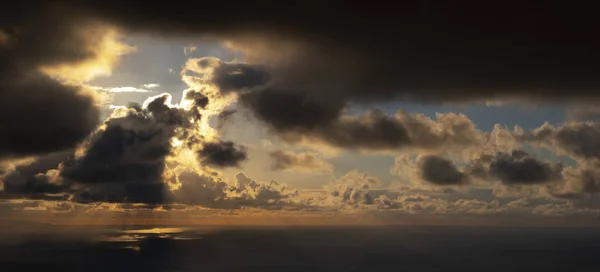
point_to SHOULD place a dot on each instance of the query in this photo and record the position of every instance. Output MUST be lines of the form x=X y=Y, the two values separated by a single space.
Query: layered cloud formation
x=305 y=69
x=154 y=153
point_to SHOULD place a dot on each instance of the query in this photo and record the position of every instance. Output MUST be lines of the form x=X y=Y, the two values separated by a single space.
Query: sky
x=431 y=114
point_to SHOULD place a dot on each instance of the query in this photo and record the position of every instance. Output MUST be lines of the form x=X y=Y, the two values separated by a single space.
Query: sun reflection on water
x=133 y=238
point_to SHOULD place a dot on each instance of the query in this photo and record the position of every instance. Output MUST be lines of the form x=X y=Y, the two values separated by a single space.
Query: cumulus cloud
x=441 y=171
x=304 y=161
x=257 y=191
x=133 y=149
x=222 y=154
x=357 y=192
x=515 y=168
x=129 y=158
x=425 y=204
x=125 y=159
x=351 y=189
x=38 y=178
x=580 y=180
x=576 y=139
x=298 y=116
x=518 y=167
x=213 y=192
x=502 y=164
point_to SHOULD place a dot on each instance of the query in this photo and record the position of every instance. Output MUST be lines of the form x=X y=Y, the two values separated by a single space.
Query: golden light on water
x=156 y=230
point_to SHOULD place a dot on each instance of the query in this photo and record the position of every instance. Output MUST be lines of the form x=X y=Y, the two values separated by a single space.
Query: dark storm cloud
x=106 y=159
x=199 y=100
x=132 y=148
x=376 y=130
x=294 y=114
x=520 y=168
x=321 y=59
x=147 y=193
x=125 y=161
x=40 y=114
x=446 y=51
x=514 y=168
x=168 y=115
x=325 y=56
x=236 y=76
x=34 y=180
x=440 y=171
x=291 y=110
x=222 y=154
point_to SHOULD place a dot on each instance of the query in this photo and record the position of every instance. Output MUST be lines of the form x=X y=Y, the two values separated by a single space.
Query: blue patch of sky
x=153 y=60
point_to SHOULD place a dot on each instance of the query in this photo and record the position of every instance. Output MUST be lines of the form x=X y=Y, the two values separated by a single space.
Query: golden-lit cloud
x=127 y=90
x=198 y=78
x=104 y=45
x=299 y=87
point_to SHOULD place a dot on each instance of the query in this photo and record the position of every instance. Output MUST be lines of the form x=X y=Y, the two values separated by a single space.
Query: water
x=312 y=249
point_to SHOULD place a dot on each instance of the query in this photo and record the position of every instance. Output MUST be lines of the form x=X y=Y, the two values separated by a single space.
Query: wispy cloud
x=128 y=90
x=125 y=89
x=151 y=85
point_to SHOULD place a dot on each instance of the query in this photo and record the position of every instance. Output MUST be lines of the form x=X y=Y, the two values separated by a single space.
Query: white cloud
x=127 y=90
x=151 y=85
x=122 y=89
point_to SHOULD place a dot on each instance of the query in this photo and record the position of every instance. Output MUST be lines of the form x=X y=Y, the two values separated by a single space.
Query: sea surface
x=309 y=249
